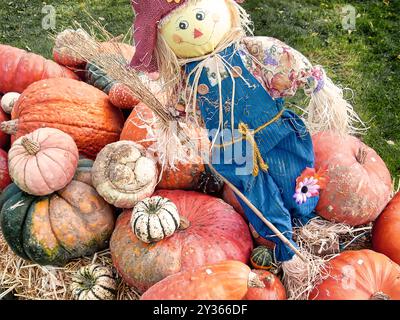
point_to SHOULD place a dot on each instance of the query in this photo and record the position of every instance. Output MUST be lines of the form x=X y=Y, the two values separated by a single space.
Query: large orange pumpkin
x=215 y=233
x=360 y=275
x=227 y=280
x=19 y=69
x=272 y=288
x=359 y=184
x=386 y=231
x=74 y=107
x=186 y=176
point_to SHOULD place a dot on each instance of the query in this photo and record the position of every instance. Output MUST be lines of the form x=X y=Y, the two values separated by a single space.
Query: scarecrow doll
x=236 y=83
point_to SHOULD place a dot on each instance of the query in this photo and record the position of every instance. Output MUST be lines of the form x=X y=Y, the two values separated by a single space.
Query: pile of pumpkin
x=78 y=179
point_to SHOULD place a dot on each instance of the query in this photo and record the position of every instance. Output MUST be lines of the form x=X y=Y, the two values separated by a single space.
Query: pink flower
x=306 y=189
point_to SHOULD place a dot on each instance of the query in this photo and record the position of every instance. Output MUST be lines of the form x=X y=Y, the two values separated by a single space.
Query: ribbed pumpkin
x=386 y=231
x=5 y=178
x=74 y=107
x=215 y=233
x=52 y=230
x=123 y=175
x=262 y=258
x=360 y=275
x=94 y=282
x=186 y=177
x=19 y=69
x=227 y=280
x=154 y=219
x=43 y=161
x=272 y=288
x=359 y=184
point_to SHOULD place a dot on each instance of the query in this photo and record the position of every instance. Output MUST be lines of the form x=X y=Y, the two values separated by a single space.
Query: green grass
x=366 y=60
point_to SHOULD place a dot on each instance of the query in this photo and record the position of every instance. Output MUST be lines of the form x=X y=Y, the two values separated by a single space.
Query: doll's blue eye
x=200 y=15
x=183 y=25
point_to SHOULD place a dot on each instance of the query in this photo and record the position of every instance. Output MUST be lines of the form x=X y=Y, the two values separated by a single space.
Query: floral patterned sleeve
x=281 y=69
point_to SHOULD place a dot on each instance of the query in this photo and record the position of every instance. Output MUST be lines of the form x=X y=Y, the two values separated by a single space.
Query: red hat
x=148 y=14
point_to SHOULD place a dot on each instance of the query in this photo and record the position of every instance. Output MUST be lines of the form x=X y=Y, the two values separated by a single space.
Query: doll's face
x=197 y=28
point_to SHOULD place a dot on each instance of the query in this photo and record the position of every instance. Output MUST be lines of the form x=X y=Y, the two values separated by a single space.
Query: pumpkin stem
x=361 y=155
x=185 y=223
x=9 y=127
x=380 y=296
x=255 y=281
x=32 y=147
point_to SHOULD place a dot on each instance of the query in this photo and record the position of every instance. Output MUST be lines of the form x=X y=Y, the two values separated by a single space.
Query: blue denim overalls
x=278 y=150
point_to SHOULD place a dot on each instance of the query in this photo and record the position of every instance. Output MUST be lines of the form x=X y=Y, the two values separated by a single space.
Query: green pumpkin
x=98 y=78
x=57 y=228
x=262 y=258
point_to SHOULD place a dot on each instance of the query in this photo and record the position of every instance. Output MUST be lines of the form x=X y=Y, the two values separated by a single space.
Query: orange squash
x=186 y=176
x=19 y=69
x=359 y=184
x=222 y=281
x=360 y=275
x=74 y=107
x=272 y=288
x=386 y=231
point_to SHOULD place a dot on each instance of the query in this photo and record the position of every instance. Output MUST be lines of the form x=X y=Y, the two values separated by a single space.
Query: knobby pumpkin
x=74 y=107
x=215 y=232
x=360 y=275
x=123 y=175
x=359 y=184
x=19 y=69
x=52 y=230
x=43 y=161
x=386 y=231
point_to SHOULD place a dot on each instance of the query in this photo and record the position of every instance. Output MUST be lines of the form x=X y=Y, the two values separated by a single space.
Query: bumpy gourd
x=123 y=175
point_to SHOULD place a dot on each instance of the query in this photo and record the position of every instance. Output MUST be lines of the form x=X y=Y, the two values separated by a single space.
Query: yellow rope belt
x=248 y=134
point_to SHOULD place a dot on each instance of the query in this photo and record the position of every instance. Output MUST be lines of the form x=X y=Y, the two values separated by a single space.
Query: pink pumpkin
x=43 y=161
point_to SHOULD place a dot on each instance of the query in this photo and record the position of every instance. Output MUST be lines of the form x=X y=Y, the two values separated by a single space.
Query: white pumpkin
x=154 y=219
x=123 y=175
x=94 y=282
x=8 y=101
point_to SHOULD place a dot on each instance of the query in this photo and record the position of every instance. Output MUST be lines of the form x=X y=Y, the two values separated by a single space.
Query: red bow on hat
x=148 y=14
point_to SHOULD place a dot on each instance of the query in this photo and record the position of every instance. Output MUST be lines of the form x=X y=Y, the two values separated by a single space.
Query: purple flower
x=269 y=60
x=306 y=189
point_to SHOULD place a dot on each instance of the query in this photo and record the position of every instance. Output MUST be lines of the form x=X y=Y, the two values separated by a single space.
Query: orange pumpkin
x=121 y=97
x=386 y=231
x=43 y=161
x=227 y=280
x=360 y=275
x=272 y=288
x=19 y=69
x=186 y=176
x=215 y=233
x=74 y=107
x=5 y=179
x=229 y=197
x=359 y=184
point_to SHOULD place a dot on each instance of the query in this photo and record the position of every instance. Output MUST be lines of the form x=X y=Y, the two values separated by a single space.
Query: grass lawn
x=366 y=60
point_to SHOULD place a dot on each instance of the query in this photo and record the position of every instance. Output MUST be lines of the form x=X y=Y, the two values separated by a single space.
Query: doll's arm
x=283 y=71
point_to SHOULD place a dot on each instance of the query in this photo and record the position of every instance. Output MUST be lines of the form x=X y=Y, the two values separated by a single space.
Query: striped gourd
x=94 y=282
x=154 y=219
x=261 y=258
